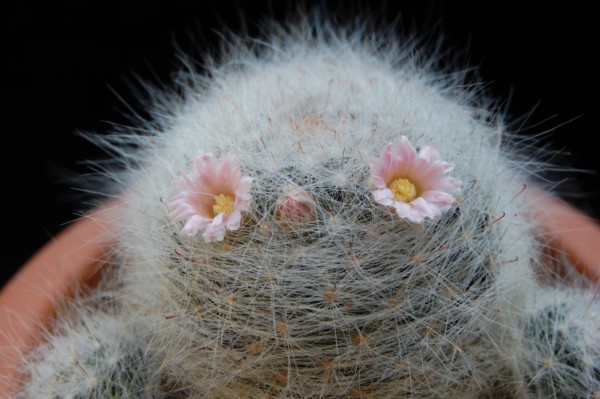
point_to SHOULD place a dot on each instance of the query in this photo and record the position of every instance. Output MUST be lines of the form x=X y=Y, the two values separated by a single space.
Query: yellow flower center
x=404 y=190
x=223 y=204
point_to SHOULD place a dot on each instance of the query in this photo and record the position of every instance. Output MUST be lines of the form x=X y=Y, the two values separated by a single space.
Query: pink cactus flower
x=212 y=198
x=412 y=183
x=296 y=209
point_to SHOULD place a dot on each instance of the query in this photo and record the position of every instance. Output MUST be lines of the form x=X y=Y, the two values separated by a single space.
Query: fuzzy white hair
x=359 y=303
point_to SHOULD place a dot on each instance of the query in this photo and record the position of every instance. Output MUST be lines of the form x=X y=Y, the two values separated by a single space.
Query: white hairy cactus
x=296 y=279
x=562 y=356
x=93 y=352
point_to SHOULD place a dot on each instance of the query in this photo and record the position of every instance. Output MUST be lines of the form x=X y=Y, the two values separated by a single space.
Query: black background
x=61 y=66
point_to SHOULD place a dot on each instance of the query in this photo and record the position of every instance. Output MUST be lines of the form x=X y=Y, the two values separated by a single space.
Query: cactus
x=268 y=247
x=93 y=352
x=561 y=336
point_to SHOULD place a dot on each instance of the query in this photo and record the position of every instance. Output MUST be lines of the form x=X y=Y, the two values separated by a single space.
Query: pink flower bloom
x=212 y=198
x=412 y=183
x=295 y=209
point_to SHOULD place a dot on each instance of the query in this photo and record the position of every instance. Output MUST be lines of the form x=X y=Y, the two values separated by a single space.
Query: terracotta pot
x=29 y=299
x=27 y=302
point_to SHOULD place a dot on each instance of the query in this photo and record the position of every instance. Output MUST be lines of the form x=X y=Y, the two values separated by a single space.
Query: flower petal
x=229 y=170
x=425 y=170
x=193 y=224
x=402 y=209
x=448 y=184
x=429 y=154
x=404 y=150
x=378 y=180
x=215 y=231
x=440 y=198
x=211 y=178
x=384 y=197
x=234 y=220
x=402 y=159
x=180 y=209
x=422 y=209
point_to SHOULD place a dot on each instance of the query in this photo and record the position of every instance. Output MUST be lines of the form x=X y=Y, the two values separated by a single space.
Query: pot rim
x=29 y=299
